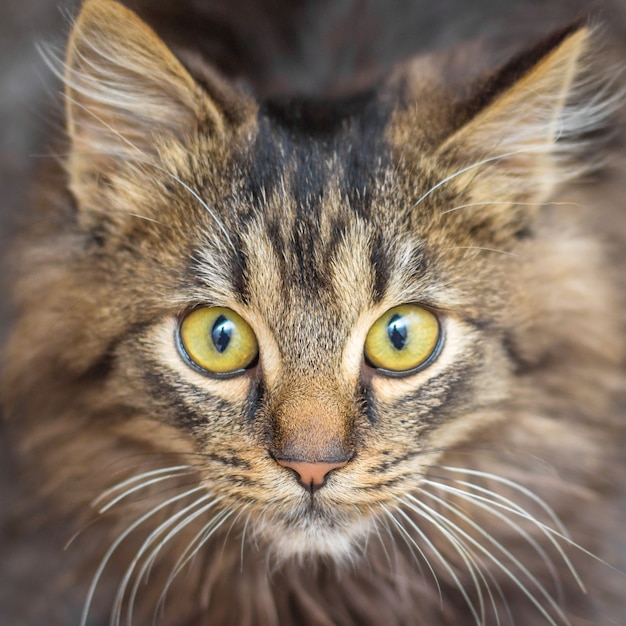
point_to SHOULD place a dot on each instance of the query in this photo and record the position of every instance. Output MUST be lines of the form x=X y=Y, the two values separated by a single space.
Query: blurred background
x=279 y=47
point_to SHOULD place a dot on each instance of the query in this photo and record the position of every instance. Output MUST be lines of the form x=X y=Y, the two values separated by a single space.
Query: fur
x=482 y=489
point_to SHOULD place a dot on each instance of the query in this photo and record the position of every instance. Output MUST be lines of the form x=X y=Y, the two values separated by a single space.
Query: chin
x=308 y=538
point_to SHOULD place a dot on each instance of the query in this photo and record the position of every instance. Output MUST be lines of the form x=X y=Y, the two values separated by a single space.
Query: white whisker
x=516 y=203
x=151 y=163
x=517 y=487
x=144 y=547
x=171 y=472
x=564 y=536
x=230 y=528
x=205 y=534
x=521 y=567
x=473 y=166
x=474 y=563
x=483 y=248
x=461 y=550
x=144 y=572
x=435 y=551
x=243 y=540
x=119 y=540
x=409 y=544
x=487 y=504
x=382 y=542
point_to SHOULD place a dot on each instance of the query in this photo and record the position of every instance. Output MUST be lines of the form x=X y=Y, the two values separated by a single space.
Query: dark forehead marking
x=307 y=143
x=301 y=148
x=380 y=262
x=318 y=117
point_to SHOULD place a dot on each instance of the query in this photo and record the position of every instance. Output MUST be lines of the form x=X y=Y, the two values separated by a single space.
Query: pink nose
x=311 y=475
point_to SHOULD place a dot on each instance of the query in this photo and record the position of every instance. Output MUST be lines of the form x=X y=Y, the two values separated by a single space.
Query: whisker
x=209 y=529
x=522 y=568
x=487 y=504
x=230 y=528
x=393 y=543
x=476 y=564
x=409 y=544
x=172 y=472
x=429 y=543
x=152 y=163
x=462 y=548
x=383 y=546
x=516 y=203
x=566 y=538
x=150 y=561
x=200 y=539
x=144 y=547
x=463 y=552
x=119 y=540
x=468 y=168
x=144 y=572
x=483 y=248
x=517 y=487
x=243 y=539
x=116 y=613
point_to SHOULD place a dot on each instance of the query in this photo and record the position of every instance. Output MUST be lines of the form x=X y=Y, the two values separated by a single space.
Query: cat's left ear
x=523 y=125
x=126 y=90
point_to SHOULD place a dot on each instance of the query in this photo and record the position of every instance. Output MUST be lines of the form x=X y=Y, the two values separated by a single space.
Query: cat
x=341 y=362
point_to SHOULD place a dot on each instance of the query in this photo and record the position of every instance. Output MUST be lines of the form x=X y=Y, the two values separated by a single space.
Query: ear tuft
x=530 y=134
x=123 y=85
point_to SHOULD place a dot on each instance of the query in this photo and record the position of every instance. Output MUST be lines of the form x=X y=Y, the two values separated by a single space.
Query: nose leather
x=311 y=475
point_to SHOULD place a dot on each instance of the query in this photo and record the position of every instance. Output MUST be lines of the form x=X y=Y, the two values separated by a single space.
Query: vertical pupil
x=396 y=329
x=221 y=333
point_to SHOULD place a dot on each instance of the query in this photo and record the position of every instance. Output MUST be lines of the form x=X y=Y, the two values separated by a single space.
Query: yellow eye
x=403 y=339
x=218 y=340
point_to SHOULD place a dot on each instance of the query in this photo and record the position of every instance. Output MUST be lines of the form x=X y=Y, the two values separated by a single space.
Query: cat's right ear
x=517 y=133
x=126 y=92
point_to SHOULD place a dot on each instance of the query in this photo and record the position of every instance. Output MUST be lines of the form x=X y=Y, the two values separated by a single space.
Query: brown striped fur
x=311 y=220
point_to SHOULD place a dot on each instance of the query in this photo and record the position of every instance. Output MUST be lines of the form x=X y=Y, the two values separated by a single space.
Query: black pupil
x=221 y=333
x=396 y=329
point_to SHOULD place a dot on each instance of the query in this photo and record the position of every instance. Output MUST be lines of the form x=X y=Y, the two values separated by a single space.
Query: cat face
x=301 y=315
x=311 y=225
x=313 y=395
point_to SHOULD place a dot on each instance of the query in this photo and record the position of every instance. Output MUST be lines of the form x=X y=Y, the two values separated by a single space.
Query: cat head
x=311 y=305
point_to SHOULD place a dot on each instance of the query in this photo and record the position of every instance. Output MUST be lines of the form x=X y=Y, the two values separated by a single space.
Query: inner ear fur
x=524 y=124
x=124 y=86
